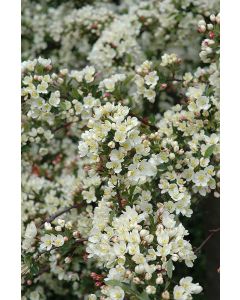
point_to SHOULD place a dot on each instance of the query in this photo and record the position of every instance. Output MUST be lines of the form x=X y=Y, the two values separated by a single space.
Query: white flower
x=44 y=62
x=31 y=231
x=83 y=149
x=147 y=168
x=203 y=103
x=116 y=293
x=47 y=242
x=54 y=99
x=186 y=289
x=47 y=226
x=191 y=288
x=150 y=95
x=163 y=238
x=117 y=155
x=120 y=249
x=58 y=241
x=109 y=85
x=201 y=178
x=89 y=196
x=187 y=77
x=61 y=222
x=150 y=289
x=151 y=79
x=169 y=59
x=120 y=136
x=42 y=87
x=179 y=293
x=58 y=228
x=195 y=92
x=89 y=73
x=29 y=65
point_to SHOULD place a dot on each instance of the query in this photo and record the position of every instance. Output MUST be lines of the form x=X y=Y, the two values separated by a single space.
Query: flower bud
x=139 y=269
x=150 y=289
x=67 y=260
x=148 y=276
x=148 y=238
x=76 y=234
x=47 y=226
x=163 y=86
x=58 y=228
x=210 y=26
x=202 y=28
x=29 y=282
x=201 y=23
x=166 y=295
x=144 y=232
x=68 y=225
x=111 y=144
x=159 y=280
x=175 y=257
x=61 y=222
x=212 y=18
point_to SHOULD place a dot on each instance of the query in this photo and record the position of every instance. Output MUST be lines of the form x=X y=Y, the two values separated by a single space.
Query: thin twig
x=63 y=126
x=59 y=213
x=213 y=231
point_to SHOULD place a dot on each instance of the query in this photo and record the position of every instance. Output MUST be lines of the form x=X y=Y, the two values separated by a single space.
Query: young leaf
x=209 y=151
x=169 y=268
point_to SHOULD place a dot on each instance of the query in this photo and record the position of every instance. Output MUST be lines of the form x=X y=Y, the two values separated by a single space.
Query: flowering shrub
x=120 y=140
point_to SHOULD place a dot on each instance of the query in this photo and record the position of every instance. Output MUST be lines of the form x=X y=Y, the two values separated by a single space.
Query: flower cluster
x=146 y=81
x=119 y=148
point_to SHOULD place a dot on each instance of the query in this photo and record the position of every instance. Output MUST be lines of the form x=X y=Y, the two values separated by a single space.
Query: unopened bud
x=159 y=280
x=58 y=228
x=139 y=269
x=76 y=234
x=202 y=28
x=163 y=86
x=29 y=282
x=213 y=18
x=111 y=144
x=144 y=232
x=148 y=276
x=210 y=26
x=67 y=260
x=166 y=295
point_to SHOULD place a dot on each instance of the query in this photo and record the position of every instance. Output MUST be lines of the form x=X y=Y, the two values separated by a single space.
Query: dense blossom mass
x=120 y=141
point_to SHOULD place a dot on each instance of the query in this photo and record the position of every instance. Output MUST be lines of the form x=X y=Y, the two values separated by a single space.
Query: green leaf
x=75 y=93
x=167 y=285
x=152 y=119
x=34 y=269
x=209 y=151
x=143 y=296
x=152 y=223
x=169 y=268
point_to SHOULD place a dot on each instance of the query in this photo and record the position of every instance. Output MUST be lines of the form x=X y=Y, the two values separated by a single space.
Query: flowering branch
x=59 y=213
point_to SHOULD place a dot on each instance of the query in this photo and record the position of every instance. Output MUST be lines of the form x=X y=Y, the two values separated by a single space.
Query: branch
x=63 y=126
x=59 y=213
x=213 y=231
